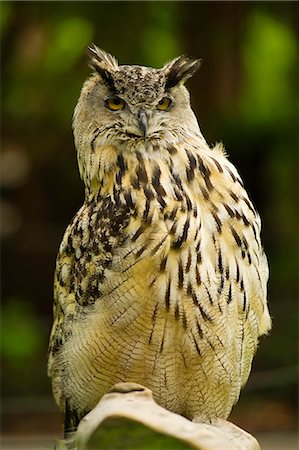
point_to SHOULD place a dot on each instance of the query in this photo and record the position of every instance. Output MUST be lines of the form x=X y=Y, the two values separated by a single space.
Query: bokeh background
x=245 y=94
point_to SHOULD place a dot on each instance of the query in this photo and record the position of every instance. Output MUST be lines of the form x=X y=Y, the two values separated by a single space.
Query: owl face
x=134 y=103
x=128 y=107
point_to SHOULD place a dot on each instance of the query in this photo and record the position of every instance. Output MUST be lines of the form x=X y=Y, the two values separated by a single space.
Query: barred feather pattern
x=160 y=279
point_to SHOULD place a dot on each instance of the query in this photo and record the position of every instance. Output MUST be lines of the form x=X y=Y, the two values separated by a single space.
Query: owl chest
x=145 y=314
x=138 y=285
x=125 y=257
x=108 y=238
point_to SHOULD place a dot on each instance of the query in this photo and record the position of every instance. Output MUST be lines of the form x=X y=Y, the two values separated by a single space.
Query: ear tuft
x=102 y=62
x=180 y=69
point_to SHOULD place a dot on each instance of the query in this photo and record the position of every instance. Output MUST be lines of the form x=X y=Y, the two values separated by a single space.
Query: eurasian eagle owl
x=161 y=276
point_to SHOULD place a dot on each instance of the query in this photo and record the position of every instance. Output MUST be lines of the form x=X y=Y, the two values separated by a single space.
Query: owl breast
x=161 y=283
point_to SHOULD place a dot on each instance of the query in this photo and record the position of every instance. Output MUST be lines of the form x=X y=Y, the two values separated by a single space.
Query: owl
x=160 y=277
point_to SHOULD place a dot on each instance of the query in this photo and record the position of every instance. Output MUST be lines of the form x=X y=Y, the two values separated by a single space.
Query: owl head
x=130 y=105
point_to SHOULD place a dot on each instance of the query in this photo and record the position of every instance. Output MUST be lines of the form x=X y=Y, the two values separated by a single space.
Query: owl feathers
x=161 y=277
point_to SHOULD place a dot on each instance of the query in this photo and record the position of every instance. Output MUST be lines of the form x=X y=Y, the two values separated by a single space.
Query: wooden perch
x=135 y=421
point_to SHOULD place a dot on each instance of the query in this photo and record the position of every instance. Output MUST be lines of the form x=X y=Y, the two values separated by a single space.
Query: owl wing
x=85 y=253
x=64 y=307
x=229 y=278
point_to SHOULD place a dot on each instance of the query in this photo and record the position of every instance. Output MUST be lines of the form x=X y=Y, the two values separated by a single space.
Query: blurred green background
x=245 y=94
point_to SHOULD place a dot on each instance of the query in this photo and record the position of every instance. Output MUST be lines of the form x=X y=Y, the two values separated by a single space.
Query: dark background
x=243 y=95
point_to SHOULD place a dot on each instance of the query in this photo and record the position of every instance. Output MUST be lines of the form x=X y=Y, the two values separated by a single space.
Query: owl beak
x=143 y=122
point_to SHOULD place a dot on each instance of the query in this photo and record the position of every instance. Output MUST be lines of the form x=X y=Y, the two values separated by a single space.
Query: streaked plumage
x=161 y=276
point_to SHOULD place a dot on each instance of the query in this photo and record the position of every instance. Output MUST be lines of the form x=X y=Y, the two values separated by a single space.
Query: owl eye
x=115 y=103
x=164 y=103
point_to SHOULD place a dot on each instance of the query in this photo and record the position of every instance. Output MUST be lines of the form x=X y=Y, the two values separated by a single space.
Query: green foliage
x=269 y=55
x=5 y=12
x=20 y=333
x=23 y=347
x=160 y=27
x=66 y=44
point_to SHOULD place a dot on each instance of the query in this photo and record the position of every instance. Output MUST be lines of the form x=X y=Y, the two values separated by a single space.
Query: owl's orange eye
x=115 y=103
x=164 y=103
